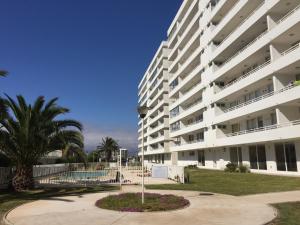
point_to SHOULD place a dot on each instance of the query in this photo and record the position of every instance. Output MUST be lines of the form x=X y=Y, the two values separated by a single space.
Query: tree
x=30 y=132
x=109 y=146
x=70 y=152
x=3 y=73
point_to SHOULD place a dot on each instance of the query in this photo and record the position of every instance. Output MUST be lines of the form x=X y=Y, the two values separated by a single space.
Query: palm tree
x=109 y=146
x=3 y=73
x=70 y=151
x=30 y=132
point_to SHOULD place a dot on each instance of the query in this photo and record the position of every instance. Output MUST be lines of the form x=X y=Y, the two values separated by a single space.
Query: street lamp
x=120 y=178
x=143 y=110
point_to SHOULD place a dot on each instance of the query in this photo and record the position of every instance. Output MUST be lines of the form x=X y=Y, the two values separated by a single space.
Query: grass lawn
x=233 y=183
x=289 y=214
x=9 y=200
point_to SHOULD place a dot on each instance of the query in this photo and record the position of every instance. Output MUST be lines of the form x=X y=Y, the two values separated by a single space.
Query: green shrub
x=297 y=82
x=231 y=168
x=243 y=169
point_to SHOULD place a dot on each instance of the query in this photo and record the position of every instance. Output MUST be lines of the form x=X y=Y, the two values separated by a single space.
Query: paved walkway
x=205 y=210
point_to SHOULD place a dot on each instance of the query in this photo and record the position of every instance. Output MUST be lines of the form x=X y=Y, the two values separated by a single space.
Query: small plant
x=297 y=82
x=131 y=202
x=243 y=169
x=231 y=168
x=192 y=166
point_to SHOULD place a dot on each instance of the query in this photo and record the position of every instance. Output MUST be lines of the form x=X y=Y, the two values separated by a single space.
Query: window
x=286 y=157
x=174 y=112
x=200 y=136
x=260 y=121
x=257 y=155
x=199 y=118
x=236 y=155
x=201 y=158
x=175 y=126
x=251 y=124
x=191 y=138
x=273 y=119
x=235 y=128
x=192 y=153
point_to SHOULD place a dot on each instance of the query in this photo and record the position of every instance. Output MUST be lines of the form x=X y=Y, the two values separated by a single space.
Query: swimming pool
x=83 y=175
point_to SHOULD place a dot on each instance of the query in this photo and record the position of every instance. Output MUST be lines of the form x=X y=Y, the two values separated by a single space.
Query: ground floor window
x=257 y=155
x=236 y=155
x=286 y=157
x=201 y=158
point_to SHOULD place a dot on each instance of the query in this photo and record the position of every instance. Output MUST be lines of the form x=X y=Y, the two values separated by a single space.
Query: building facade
x=233 y=94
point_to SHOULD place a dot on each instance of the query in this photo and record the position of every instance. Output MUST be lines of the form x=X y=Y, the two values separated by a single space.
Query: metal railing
x=261 y=35
x=247 y=74
x=288 y=14
x=259 y=98
x=245 y=47
x=254 y=11
x=266 y=128
x=293 y=48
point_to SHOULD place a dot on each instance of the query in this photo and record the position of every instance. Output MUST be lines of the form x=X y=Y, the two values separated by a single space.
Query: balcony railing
x=247 y=18
x=288 y=14
x=290 y=86
x=191 y=142
x=266 y=128
x=244 y=48
x=246 y=75
x=293 y=48
x=260 y=36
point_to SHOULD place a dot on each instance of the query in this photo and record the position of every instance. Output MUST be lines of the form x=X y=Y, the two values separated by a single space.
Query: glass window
x=260 y=121
x=290 y=155
x=262 y=159
x=286 y=157
x=236 y=155
x=280 y=158
x=201 y=158
x=273 y=119
x=253 y=157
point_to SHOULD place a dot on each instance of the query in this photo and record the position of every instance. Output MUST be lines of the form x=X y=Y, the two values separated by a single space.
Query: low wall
x=175 y=173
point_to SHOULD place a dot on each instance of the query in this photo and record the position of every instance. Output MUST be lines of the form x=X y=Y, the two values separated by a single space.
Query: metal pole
x=143 y=187
x=120 y=169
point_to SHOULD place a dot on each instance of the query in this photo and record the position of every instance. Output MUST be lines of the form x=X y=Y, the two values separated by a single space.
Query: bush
x=192 y=166
x=243 y=169
x=231 y=167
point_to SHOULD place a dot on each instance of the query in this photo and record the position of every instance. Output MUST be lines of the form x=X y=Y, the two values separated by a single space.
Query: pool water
x=83 y=175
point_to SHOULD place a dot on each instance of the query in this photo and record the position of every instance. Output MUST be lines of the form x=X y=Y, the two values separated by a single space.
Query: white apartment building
x=233 y=69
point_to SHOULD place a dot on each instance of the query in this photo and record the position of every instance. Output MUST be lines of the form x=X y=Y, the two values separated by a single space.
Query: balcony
x=259 y=37
x=285 y=95
x=189 y=145
x=184 y=129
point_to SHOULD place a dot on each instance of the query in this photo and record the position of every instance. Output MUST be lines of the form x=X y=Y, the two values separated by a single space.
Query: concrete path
x=205 y=210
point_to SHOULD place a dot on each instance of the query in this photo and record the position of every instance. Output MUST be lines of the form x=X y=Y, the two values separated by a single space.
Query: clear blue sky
x=89 y=53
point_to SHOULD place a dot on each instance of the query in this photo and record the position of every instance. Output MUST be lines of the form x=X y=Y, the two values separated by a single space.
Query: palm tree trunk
x=23 y=179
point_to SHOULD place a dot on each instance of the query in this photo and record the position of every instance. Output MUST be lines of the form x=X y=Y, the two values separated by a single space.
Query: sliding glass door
x=236 y=155
x=286 y=157
x=257 y=155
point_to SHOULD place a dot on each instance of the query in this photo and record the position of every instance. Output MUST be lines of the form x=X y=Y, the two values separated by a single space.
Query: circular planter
x=132 y=202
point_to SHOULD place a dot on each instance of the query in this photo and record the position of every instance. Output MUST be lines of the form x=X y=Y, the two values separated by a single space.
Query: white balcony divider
x=266 y=128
